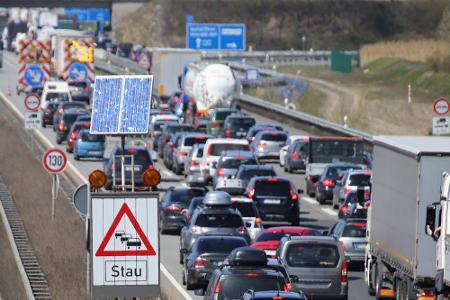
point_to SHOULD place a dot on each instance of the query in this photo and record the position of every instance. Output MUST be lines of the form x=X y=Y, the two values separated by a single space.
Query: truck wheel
x=371 y=288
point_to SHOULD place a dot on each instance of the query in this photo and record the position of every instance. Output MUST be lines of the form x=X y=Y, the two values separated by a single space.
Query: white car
x=156 y=118
x=291 y=139
x=250 y=214
x=55 y=91
x=212 y=151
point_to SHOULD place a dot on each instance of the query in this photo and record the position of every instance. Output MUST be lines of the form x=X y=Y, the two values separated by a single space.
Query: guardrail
x=275 y=111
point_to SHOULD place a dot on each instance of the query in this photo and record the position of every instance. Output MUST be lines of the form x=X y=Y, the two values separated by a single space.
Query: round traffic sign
x=441 y=106
x=32 y=102
x=54 y=161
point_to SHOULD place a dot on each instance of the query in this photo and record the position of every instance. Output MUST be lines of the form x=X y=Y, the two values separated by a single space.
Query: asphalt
x=312 y=214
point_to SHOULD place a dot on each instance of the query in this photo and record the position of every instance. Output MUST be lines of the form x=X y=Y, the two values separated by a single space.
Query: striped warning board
x=79 y=60
x=34 y=64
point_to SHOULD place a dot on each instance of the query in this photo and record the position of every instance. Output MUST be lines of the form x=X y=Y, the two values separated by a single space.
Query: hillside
x=280 y=24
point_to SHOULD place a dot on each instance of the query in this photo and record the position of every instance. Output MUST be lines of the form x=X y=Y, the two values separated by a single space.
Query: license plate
x=95 y=152
x=360 y=246
x=272 y=201
x=270 y=252
x=241 y=133
x=130 y=168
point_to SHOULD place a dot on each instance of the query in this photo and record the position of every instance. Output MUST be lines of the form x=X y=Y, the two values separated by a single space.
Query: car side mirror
x=293 y=278
x=300 y=191
x=199 y=292
x=184 y=251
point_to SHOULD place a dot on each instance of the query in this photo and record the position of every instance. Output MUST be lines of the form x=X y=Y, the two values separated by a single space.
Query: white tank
x=211 y=86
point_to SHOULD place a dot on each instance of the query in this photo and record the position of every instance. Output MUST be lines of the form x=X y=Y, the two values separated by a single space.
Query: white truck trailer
x=401 y=256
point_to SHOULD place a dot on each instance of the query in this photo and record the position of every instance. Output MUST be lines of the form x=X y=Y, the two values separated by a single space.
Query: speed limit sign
x=54 y=161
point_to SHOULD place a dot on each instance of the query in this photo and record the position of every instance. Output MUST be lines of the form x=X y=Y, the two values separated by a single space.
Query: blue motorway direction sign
x=215 y=36
x=252 y=74
x=89 y=15
x=34 y=75
x=78 y=72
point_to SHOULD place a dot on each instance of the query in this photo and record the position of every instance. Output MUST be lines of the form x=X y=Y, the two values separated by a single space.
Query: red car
x=269 y=239
x=74 y=132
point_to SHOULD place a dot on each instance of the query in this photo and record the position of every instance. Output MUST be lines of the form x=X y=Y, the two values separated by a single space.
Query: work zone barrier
x=78 y=60
x=34 y=64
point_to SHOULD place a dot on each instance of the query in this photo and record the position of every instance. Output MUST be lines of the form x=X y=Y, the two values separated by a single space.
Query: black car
x=295 y=158
x=247 y=172
x=142 y=161
x=245 y=268
x=205 y=255
x=172 y=206
x=49 y=112
x=237 y=125
x=167 y=133
x=70 y=106
x=327 y=181
x=276 y=197
x=271 y=295
x=65 y=124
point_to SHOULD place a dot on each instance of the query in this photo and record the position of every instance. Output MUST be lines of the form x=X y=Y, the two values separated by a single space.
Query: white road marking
x=168 y=173
x=310 y=200
x=329 y=211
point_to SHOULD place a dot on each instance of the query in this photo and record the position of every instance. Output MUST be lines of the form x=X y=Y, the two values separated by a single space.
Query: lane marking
x=329 y=211
x=310 y=200
x=168 y=173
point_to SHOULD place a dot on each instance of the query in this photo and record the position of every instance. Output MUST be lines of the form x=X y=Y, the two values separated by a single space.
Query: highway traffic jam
x=236 y=207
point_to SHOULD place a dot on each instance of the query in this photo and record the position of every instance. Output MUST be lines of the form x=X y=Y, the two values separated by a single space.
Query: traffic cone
x=8 y=92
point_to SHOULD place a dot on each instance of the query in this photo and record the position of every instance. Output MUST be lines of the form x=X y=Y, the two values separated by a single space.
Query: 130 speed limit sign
x=54 y=161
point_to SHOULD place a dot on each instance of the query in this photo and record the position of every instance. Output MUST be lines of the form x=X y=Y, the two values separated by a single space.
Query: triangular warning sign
x=134 y=244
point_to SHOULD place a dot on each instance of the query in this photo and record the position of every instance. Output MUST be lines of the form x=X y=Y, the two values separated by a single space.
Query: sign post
x=54 y=161
x=125 y=245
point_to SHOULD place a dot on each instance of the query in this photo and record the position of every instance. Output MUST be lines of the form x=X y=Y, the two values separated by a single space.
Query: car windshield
x=232 y=287
x=216 y=149
x=244 y=123
x=223 y=114
x=248 y=174
x=247 y=209
x=272 y=188
x=184 y=196
x=235 y=162
x=325 y=151
x=57 y=97
x=312 y=255
x=357 y=230
x=85 y=136
x=359 y=179
x=274 y=137
x=220 y=245
x=219 y=220
x=338 y=172
x=192 y=140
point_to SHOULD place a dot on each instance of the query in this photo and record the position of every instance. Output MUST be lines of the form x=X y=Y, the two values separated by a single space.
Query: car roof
x=287 y=229
x=241 y=270
x=316 y=238
x=227 y=141
x=234 y=153
x=343 y=164
x=195 y=133
x=282 y=294
x=257 y=167
x=239 y=116
x=128 y=147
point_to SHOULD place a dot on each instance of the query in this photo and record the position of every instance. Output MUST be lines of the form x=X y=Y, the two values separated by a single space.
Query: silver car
x=351 y=234
x=350 y=182
x=267 y=144
x=192 y=166
x=184 y=146
x=229 y=163
x=316 y=265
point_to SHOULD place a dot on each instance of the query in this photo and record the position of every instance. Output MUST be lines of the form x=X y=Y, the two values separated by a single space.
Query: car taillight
x=220 y=172
x=241 y=230
x=172 y=209
x=228 y=132
x=344 y=272
x=60 y=111
x=74 y=135
x=87 y=125
x=250 y=139
x=258 y=222
x=174 y=148
x=272 y=179
x=132 y=151
x=347 y=190
x=251 y=274
x=251 y=193
x=426 y=295
x=286 y=287
x=328 y=182
x=199 y=262
x=294 y=196
x=344 y=209
x=295 y=155
x=217 y=288
x=214 y=125
x=61 y=126
x=209 y=152
x=343 y=246
x=182 y=153
x=262 y=144
x=194 y=163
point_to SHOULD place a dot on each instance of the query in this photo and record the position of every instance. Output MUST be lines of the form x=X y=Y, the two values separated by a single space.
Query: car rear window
x=312 y=255
x=77 y=126
x=338 y=172
x=184 y=196
x=357 y=230
x=73 y=106
x=247 y=175
x=232 y=287
x=272 y=188
x=235 y=162
x=274 y=137
x=216 y=149
x=85 y=136
x=190 y=141
x=247 y=209
x=69 y=119
x=219 y=220
x=222 y=115
x=220 y=245
x=57 y=97
x=242 y=122
x=141 y=157
x=359 y=179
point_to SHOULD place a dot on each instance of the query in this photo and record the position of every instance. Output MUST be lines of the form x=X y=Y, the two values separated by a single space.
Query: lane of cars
x=236 y=196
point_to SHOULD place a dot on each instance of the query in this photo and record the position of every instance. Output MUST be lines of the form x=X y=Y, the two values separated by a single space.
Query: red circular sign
x=54 y=161
x=32 y=102
x=441 y=106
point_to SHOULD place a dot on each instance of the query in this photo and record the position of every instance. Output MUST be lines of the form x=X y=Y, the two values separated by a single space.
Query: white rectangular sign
x=441 y=125
x=125 y=241
x=33 y=120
